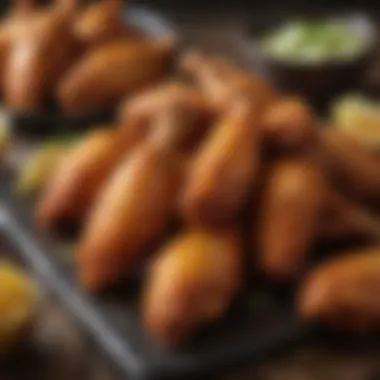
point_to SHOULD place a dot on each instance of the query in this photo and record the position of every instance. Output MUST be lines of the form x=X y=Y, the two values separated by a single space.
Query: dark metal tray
x=112 y=320
x=51 y=120
x=246 y=335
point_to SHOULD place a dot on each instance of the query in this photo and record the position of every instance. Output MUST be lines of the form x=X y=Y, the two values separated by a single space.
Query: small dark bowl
x=321 y=81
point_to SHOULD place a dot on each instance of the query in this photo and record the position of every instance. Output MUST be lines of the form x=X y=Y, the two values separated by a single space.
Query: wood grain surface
x=60 y=351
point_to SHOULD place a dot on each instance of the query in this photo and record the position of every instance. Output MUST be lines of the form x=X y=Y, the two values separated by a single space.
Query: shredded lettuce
x=313 y=41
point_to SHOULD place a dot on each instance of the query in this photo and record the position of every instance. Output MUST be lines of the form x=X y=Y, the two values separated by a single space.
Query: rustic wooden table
x=60 y=351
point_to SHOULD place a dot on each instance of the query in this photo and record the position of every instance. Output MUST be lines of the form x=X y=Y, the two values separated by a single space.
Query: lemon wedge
x=18 y=305
x=39 y=167
x=359 y=117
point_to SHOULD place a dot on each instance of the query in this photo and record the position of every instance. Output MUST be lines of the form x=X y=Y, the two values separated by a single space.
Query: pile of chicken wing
x=81 y=57
x=197 y=166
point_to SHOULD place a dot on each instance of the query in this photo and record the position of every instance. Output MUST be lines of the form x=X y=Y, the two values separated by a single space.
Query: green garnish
x=314 y=42
x=41 y=164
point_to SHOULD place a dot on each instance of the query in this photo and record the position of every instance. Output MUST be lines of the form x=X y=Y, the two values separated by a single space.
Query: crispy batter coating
x=108 y=73
x=192 y=282
x=351 y=165
x=289 y=124
x=136 y=113
x=222 y=82
x=289 y=212
x=133 y=210
x=42 y=50
x=76 y=182
x=225 y=168
x=344 y=291
x=101 y=22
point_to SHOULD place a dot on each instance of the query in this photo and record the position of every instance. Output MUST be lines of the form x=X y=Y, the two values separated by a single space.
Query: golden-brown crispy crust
x=288 y=216
x=344 y=291
x=77 y=180
x=198 y=273
x=225 y=168
x=108 y=73
x=133 y=209
x=352 y=166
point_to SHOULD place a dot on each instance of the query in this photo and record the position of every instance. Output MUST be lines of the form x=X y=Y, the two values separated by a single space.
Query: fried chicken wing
x=225 y=168
x=177 y=129
x=102 y=22
x=222 y=83
x=192 y=282
x=136 y=113
x=77 y=180
x=343 y=219
x=42 y=49
x=19 y=12
x=344 y=291
x=353 y=167
x=289 y=123
x=288 y=217
x=108 y=73
x=87 y=167
x=133 y=210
